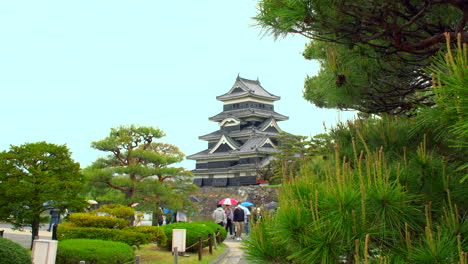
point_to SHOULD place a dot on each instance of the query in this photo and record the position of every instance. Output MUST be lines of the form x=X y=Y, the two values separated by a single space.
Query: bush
x=153 y=233
x=213 y=228
x=93 y=252
x=194 y=230
x=13 y=253
x=117 y=210
x=131 y=238
x=260 y=247
x=90 y=220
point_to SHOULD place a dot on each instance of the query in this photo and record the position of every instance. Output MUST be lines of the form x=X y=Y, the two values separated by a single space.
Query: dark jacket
x=239 y=215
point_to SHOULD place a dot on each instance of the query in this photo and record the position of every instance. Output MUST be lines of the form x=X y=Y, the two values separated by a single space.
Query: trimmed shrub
x=153 y=234
x=131 y=238
x=93 y=251
x=193 y=232
x=13 y=253
x=117 y=210
x=214 y=227
x=90 y=220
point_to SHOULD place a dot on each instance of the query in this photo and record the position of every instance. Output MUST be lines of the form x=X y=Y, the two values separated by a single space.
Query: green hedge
x=90 y=220
x=214 y=227
x=153 y=234
x=194 y=230
x=131 y=238
x=13 y=253
x=93 y=252
x=117 y=210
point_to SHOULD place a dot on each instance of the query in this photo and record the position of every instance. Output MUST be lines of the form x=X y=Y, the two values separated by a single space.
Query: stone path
x=234 y=254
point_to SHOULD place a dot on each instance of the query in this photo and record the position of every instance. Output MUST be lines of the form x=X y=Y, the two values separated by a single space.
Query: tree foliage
x=373 y=201
x=372 y=53
x=448 y=119
x=34 y=177
x=140 y=168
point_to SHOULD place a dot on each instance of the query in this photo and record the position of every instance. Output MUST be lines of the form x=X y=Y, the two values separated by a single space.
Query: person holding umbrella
x=54 y=218
x=228 y=212
x=228 y=202
x=244 y=206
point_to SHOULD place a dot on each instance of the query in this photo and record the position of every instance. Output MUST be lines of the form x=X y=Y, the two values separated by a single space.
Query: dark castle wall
x=231 y=128
x=248 y=104
x=227 y=163
x=217 y=164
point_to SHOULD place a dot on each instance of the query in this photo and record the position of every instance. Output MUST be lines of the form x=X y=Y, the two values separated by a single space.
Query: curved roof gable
x=230 y=121
x=244 y=88
x=257 y=143
x=225 y=140
x=270 y=125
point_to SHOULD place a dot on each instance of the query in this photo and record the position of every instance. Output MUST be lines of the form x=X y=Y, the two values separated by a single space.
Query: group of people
x=236 y=219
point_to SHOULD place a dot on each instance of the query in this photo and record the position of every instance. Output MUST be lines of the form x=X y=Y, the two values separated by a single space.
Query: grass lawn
x=152 y=254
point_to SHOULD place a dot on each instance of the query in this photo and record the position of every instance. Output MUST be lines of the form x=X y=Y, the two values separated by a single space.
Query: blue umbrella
x=246 y=204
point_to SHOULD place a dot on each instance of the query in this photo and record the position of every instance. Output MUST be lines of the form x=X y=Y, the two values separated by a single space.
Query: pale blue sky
x=71 y=70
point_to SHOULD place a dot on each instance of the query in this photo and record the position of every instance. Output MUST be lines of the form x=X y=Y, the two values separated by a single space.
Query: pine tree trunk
x=156 y=214
x=129 y=194
x=35 y=229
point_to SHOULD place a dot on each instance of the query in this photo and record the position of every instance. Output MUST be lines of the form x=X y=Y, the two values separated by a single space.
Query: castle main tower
x=246 y=138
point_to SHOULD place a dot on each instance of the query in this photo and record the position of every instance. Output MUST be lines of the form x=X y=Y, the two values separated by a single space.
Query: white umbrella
x=92 y=201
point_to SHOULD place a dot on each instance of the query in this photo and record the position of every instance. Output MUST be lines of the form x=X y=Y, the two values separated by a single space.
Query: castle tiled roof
x=246 y=131
x=243 y=113
x=255 y=144
x=247 y=88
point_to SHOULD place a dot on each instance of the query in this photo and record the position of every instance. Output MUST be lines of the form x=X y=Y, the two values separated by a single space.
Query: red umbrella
x=228 y=201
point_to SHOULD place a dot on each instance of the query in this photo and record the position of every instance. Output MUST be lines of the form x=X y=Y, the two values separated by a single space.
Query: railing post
x=215 y=241
x=176 y=255
x=54 y=232
x=137 y=259
x=218 y=236
x=200 y=248
x=210 y=243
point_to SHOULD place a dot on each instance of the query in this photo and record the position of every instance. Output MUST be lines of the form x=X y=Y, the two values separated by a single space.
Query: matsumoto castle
x=246 y=138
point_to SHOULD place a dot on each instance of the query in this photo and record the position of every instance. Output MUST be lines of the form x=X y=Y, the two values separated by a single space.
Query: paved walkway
x=234 y=254
x=24 y=237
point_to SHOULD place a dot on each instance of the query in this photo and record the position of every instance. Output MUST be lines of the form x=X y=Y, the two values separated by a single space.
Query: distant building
x=245 y=140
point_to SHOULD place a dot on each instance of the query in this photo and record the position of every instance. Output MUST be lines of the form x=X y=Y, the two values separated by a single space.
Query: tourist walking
x=219 y=216
x=228 y=212
x=54 y=218
x=181 y=216
x=247 y=219
x=238 y=219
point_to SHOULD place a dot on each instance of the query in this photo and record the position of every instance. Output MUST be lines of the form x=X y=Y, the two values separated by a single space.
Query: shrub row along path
x=233 y=255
